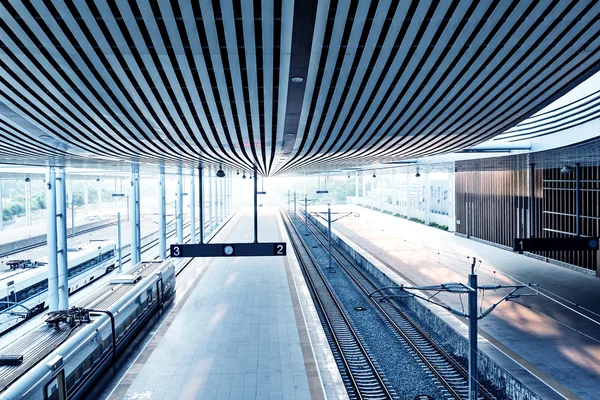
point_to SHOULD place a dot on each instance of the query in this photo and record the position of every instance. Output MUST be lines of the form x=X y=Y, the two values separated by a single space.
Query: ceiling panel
x=290 y=87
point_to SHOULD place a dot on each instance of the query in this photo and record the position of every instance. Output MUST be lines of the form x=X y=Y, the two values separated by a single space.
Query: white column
x=52 y=239
x=134 y=219
x=179 y=206
x=427 y=196
x=61 y=230
x=394 y=191
x=210 y=199
x=192 y=196
x=364 y=186
x=28 y=201
x=356 y=186
x=1 y=209
x=372 y=190
x=162 y=211
x=408 y=192
x=381 y=190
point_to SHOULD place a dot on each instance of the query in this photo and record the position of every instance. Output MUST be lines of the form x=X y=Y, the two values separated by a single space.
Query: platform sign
x=555 y=244
x=322 y=191
x=261 y=192
x=229 y=250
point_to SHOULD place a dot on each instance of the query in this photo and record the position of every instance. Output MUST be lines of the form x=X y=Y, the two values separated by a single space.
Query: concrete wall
x=451 y=340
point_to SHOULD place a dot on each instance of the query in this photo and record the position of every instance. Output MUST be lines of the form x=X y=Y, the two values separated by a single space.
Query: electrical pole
x=473 y=389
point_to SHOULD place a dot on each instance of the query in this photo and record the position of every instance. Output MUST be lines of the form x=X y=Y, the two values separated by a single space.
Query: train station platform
x=245 y=328
x=551 y=342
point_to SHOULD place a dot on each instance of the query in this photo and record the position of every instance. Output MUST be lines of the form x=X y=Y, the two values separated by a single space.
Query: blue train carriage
x=24 y=285
x=65 y=357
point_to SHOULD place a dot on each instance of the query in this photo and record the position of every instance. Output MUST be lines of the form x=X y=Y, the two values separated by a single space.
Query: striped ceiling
x=186 y=81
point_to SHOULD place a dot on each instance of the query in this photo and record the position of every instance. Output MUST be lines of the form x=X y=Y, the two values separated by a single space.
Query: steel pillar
x=201 y=204
x=372 y=192
x=427 y=193
x=295 y=215
x=329 y=234
x=356 y=186
x=61 y=231
x=52 y=239
x=364 y=185
x=210 y=200
x=394 y=200
x=255 y=205
x=305 y=216
x=473 y=389
x=135 y=245
x=70 y=196
x=119 y=246
x=192 y=195
x=578 y=199
x=408 y=193
x=531 y=200
x=162 y=217
x=381 y=190
x=28 y=202
x=179 y=206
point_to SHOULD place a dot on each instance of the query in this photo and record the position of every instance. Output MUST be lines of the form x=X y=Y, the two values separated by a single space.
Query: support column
x=28 y=201
x=162 y=211
x=255 y=205
x=192 y=195
x=201 y=203
x=578 y=199
x=364 y=185
x=531 y=200
x=134 y=219
x=381 y=190
x=408 y=193
x=210 y=200
x=61 y=231
x=72 y=201
x=473 y=389
x=179 y=206
x=394 y=191
x=52 y=239
x=356 y=186
x=217 y=201
x=372 y=191
x=427 y=195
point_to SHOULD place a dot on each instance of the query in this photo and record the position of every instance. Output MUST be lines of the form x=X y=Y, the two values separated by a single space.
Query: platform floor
x=556 y=334
x=246 y=329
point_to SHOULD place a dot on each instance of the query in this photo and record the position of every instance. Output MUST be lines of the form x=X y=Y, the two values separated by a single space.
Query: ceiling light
x=238 y=172
x=220 y=173
x=27 y=179
x=297 y=79
x=374 y=176
x=244 y=176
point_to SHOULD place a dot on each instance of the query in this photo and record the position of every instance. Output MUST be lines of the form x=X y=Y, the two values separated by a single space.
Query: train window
x=55 y=389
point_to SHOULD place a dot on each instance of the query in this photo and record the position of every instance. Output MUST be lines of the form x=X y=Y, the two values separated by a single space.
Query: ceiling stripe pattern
x=217 y=81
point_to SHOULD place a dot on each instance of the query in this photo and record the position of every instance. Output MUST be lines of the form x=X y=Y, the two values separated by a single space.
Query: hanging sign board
x=322 y=191
x=555 y=244
x=229 y=250
x=261 y=192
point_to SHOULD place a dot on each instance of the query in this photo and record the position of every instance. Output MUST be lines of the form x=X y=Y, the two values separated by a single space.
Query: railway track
x=453 y=376
x=361 y=376
x=43 y=243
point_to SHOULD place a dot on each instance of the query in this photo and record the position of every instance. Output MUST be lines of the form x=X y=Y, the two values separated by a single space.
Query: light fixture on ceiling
x=297 y=79
x=238 y=172
x=374 y=176
x=220 y=173
x=27 y=179
x=348 y=176
x=417 y=175
x=566 y=169
x=97 y=179
x=244 y=175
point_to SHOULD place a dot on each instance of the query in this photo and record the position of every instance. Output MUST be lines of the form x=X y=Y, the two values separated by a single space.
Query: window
x=56 y=390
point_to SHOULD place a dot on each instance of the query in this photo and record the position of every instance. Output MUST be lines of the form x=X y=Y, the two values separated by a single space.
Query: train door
x=56 y=388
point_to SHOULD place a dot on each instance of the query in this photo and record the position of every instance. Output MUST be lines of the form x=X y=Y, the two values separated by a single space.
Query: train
x=66 y=356
x=24 y=285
